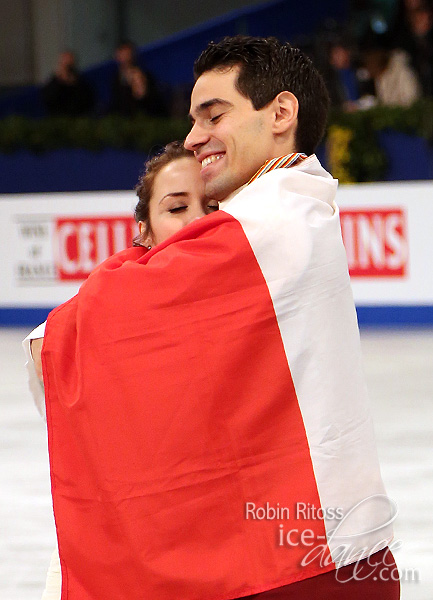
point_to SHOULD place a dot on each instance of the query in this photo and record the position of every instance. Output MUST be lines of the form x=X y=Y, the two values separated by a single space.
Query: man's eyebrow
x=175 y=194
x=208 y=104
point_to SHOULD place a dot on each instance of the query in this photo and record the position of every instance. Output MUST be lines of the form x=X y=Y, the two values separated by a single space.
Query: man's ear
x=286 y=108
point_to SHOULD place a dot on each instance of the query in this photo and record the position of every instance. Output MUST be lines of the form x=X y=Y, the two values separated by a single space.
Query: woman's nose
x=196 y=213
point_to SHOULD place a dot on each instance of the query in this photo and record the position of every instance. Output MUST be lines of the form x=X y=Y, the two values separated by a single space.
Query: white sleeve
x=36 y=386
x=53 y=586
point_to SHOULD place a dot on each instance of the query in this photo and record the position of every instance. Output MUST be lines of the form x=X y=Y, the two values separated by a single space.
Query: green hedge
x=364 y=160
x=41 y=135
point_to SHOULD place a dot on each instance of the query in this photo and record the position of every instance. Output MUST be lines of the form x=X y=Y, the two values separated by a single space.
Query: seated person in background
x=67 y=93
x=418 y=42
x=133 y=90
x=395 y=82
x=171 y=195
x=401 y=22
x=341 y=79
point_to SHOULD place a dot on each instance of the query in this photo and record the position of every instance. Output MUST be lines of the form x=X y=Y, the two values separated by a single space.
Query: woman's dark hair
x=144 y=187
x=268 y=67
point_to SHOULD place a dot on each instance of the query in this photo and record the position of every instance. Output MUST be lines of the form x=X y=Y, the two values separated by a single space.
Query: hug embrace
x=216 y=365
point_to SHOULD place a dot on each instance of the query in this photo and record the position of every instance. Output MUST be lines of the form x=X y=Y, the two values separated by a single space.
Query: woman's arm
x=32 y=348
x=35 y=350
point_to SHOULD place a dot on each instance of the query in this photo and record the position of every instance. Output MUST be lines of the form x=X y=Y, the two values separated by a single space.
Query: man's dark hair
x=268 y=67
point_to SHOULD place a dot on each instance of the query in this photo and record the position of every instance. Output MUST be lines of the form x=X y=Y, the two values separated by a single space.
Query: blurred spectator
x=133 y=90
x=402 y=19
x=395 y=82
x=418 y=42
x=67 y=93
x=341 y=78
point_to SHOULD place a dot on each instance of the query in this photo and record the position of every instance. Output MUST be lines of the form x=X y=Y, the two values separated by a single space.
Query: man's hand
x=35 y=349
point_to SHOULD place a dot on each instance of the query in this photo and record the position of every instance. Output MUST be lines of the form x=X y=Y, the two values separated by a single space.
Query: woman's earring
x=149 y=247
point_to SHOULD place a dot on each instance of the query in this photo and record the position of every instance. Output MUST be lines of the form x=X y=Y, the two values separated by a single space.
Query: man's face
x=229 y=137
x=124 y=55
x=67 y=60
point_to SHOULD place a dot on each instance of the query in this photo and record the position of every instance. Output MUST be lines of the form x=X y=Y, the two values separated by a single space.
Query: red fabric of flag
x=170 y=409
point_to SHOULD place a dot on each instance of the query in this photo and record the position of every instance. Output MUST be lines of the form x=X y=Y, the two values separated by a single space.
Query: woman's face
x=177 y=199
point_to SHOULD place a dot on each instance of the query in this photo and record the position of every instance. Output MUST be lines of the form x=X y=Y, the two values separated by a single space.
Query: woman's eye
x=215 y=119
x=177 y=209
x=213 y=207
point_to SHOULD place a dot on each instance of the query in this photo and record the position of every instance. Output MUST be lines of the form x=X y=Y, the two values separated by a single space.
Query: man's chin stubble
x=218 y=189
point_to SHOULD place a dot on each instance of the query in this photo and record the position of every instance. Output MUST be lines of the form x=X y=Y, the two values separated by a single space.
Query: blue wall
x=368 y=316
x=410 y=158
x=70 y=170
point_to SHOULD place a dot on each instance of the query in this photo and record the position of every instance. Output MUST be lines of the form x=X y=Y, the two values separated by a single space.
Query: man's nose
x=195 y=138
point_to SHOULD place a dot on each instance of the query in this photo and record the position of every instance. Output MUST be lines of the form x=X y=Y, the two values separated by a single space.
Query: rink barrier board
x=49 y=243
x=368 y=316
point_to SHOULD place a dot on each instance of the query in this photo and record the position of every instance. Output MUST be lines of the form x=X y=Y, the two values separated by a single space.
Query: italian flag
x=189 y=386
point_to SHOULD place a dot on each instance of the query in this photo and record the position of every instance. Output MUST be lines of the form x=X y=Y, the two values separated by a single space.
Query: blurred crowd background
x=107 y=76
x=369 y=51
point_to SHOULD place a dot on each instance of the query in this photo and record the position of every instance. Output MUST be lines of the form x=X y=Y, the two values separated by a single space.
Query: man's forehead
x=215 y=87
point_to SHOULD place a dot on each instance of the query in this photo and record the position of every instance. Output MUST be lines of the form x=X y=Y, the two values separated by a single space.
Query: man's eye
x=177 y=209
x=215 y=119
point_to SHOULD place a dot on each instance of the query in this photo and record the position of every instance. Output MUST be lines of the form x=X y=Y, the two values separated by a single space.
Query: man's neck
x=280 y=162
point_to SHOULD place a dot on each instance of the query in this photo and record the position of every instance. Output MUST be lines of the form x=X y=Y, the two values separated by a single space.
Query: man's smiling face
x=229 y=137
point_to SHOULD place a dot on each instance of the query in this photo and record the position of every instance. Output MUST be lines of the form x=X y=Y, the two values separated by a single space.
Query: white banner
x=49 y=243
x=387 y=231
